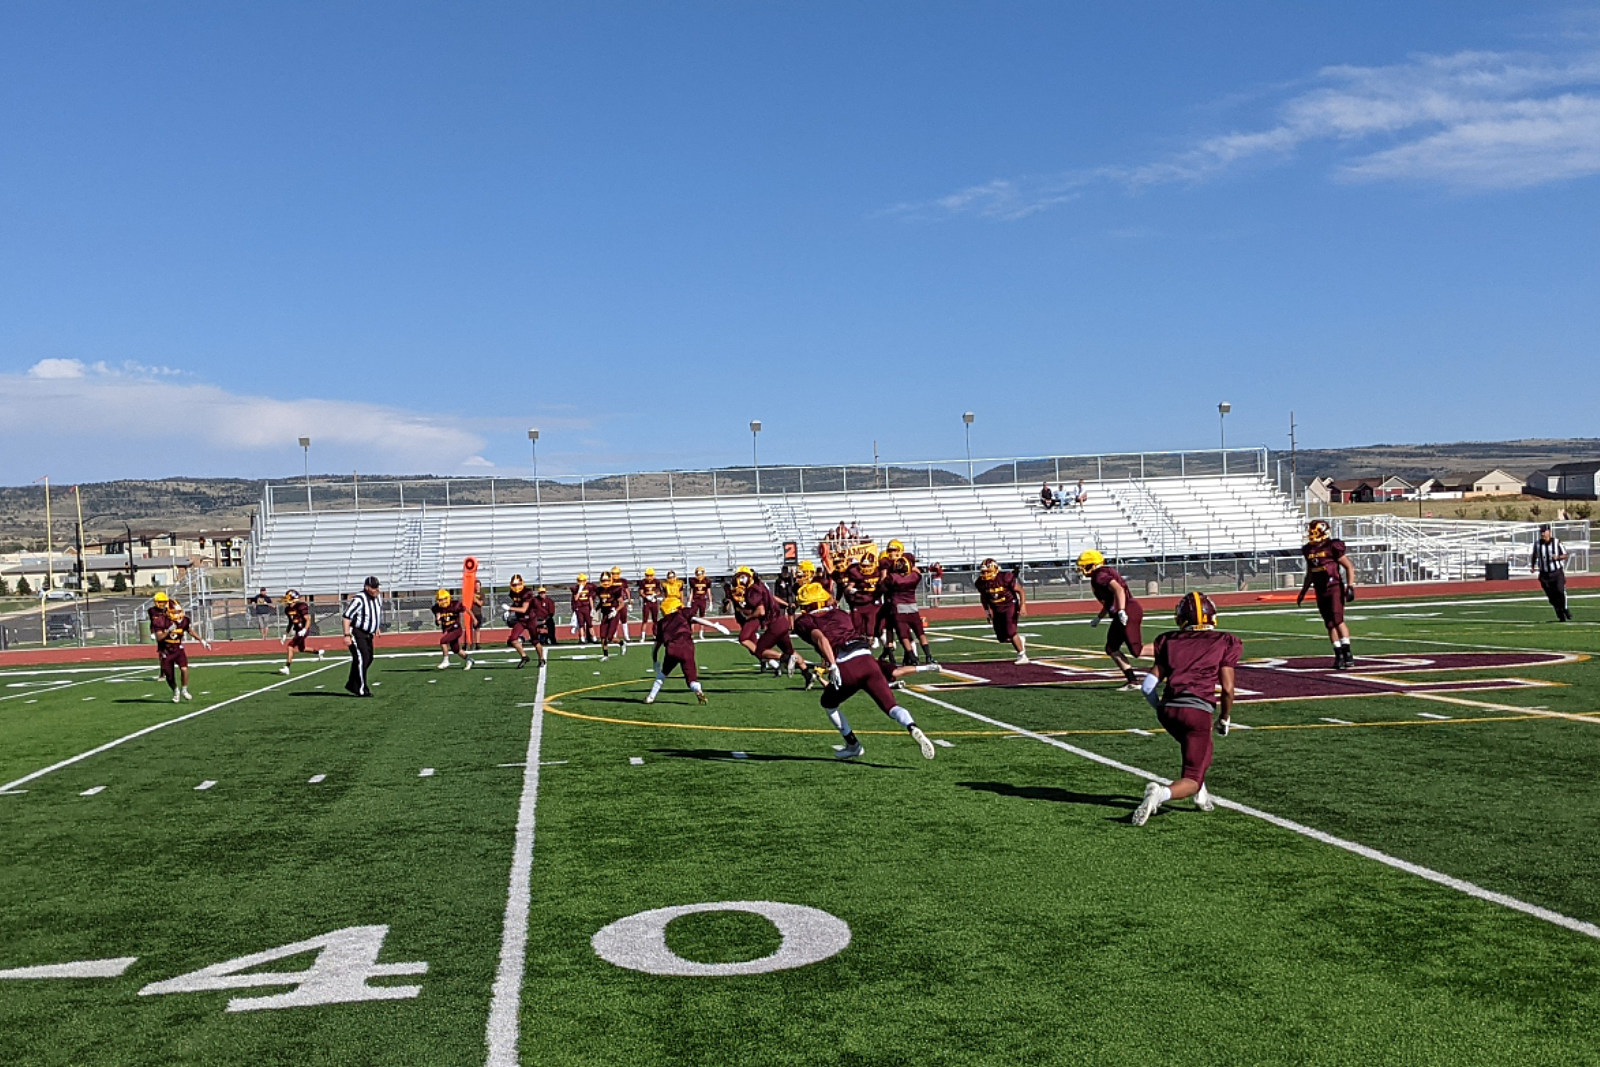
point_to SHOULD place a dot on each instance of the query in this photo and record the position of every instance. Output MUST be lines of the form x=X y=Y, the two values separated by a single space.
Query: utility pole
x=1293 y=469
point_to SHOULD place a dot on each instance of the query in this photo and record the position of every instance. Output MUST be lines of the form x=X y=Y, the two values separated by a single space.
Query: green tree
x=119 y=582
x=94 y=584
x=23 y=588
x=1579 y=511
x=4 y=589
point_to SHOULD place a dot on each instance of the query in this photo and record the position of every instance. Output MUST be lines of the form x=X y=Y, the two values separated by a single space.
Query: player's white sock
x=655 y=687
x=694 y=687
x=902 y=716
x=1163 y=794
x=840 y=723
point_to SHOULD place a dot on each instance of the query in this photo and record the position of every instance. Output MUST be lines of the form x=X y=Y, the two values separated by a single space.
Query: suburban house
x=1352 y=491
x=1394 y=488
x=1567 y=481
x=1495 y=482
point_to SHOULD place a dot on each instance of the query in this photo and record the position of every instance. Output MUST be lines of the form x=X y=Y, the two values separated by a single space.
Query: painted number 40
x=346 y=960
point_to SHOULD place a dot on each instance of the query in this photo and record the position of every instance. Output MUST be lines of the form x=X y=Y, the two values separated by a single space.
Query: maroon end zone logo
x=1298 y=678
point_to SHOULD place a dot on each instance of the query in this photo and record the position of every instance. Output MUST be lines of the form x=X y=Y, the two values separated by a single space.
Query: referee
x=1550 y=561
x=363 y=618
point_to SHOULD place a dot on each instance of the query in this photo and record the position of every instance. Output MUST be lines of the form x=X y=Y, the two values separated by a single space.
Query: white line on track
x=152 y=729
x=1565 y=921
x=505 y=1008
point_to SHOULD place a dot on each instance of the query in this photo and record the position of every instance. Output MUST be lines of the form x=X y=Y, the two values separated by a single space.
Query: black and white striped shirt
x=365 y=612
x=1546 y=557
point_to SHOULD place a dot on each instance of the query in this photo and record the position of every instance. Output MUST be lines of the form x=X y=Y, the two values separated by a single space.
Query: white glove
x=1122 y=618
x=1148 y=687
x=206 y=644
x=835 y=679
x=1095 y=621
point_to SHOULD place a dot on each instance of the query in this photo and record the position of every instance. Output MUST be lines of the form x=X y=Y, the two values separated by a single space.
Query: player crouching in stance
x=519 y=605
x=297 y=617
x=674 y=631
x=1195 y=661
x=1004 y=603
x=851 y=669
x=447 y=612
x=1328 y=568
x=174 y=660
x=1111 y=589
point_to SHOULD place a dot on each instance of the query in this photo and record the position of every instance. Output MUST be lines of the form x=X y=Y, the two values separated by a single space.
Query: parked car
x=60 y=594
x=61 y=626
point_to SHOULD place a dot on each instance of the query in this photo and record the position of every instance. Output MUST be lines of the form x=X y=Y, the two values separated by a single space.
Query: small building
x=1352 y=491
x=1567 y=481
x=1394 y=488
x=1494 y=482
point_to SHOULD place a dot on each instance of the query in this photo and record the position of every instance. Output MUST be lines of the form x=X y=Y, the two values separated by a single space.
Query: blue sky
x=414 y=230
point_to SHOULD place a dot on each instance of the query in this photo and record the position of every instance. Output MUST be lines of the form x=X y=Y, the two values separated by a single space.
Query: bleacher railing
x=387 y=494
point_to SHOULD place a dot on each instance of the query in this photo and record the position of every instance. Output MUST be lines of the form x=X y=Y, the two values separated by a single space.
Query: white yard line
x=1542 y=712
x=1567 y=922
x=152 y=729
x=505 y=1008
x=65 y=684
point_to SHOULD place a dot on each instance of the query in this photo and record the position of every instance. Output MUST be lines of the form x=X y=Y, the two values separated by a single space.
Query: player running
x=675 y=633
x=447 y=612
x=699 y=597
x=582 y=599
x=1004 y=604
x=542 y=613
x=650 y=596
x=1111 y=589
x=297 y=622
x=519 y=606
x=1196 y=661
x=898 y=586
x=174 y=658
x=612 y=600
x=1329 y=570
x=851 y=669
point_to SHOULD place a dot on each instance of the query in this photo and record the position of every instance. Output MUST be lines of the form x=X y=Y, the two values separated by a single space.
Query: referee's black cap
x=371 y=582
x=1544 y=527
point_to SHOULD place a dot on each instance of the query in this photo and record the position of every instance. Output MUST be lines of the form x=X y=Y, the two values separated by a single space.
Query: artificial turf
x=1001 y=909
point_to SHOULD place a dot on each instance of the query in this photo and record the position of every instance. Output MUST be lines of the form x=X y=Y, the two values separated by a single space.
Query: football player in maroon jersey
x=297 y=619
x=611 y=598
x=650 y=595
x=169 y=646
x=1329 y=570
x=520 y=602
x=1004 y=603
x=1195 y=664
x=582 y=595
x=851 y=669
x=447 y=612
x=674 y=633
x=699 y=597
x=1117 y=601
x=898 y=586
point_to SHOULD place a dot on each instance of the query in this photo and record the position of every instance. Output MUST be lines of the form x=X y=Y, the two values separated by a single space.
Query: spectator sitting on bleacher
x=1047 y=499
x=1081 y=497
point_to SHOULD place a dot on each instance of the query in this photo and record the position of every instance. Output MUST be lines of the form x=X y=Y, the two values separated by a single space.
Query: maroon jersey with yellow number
x=1191 y=661
x=899 y=581
x=175 y=631
x=831 y=623
x=699 y=588
x=448 y=616
x=610 y=597
x=862 y=588
x=1322 y=560
x=298 y=616
x=582 y=596
x=1000 y=592
x=650 y=589
x=520 y=602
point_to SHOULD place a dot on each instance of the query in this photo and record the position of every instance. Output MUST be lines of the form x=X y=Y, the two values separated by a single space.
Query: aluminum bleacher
x=419 y=545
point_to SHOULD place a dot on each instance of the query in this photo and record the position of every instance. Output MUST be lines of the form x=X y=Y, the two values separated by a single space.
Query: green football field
x=1400 y=870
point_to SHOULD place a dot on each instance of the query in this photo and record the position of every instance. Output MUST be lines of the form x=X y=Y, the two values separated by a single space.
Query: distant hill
x=223 y=503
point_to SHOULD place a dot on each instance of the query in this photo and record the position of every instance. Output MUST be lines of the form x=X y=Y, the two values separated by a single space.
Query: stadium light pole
x=967 y=417
x=533 y=443
x=755 y=456
x=305 y=448
x=1222 y=422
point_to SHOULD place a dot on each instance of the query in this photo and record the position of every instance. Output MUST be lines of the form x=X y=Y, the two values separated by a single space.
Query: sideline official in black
x=363 y=618
x=1549 y=561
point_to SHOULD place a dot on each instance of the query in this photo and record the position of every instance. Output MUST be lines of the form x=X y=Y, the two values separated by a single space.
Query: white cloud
x=1470 y=121
x=57 y=368
x=105 y=423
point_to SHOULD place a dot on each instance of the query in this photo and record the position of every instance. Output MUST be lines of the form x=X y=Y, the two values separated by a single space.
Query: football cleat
x=320 y=653
x=922 y=741
x=1147 y=807
x=468 y=665
x=175 y=696
x=523 y=662
x=650 y=698
x=283 y=670
x=1022 y=660
x=700 y=697
x=848 y=751
x=1202 y=799
x=1129 y=687
x=444 y=664
x=186 y=693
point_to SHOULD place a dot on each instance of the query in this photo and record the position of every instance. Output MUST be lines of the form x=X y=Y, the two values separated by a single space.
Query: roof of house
x=1350 y=484
x=1585 y=467
x=1469 y=478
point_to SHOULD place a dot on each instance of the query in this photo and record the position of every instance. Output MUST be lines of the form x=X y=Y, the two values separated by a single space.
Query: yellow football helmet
x=1318 y=531
x=616 y=572
x=516 y=583
x=582 y=578
x=868 y=561
x=671 y=604
x=649 y=572
x=745 y=571
x=988 y=569
x=811 y=597
x=442 y=597
x=895 y=548
x=607 y=579
x=1090 y=560
x=807 y=568
x=290 y=596
x=160 y=597
x=699 y=572
x=541 y=590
